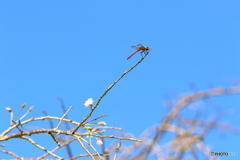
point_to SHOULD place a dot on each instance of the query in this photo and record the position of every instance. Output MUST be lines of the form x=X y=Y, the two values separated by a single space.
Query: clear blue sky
x=76 y=49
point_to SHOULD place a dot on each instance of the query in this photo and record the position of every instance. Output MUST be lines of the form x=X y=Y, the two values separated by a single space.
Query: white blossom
x=89 y=102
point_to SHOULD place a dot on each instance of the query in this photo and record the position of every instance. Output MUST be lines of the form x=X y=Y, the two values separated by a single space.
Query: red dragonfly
x=138 y=48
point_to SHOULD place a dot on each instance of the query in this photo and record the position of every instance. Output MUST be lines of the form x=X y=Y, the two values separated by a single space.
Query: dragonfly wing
x=135 y=47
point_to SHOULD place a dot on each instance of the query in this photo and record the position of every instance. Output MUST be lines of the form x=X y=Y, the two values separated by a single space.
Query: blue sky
x=76 y=49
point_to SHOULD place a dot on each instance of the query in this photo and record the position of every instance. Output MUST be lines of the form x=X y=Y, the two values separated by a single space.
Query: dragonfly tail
x=132 y=54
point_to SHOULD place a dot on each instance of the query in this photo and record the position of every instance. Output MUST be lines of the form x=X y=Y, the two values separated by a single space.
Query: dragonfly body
x=139 y=48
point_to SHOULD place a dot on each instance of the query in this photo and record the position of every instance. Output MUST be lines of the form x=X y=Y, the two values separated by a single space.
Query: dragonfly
x=138 y=48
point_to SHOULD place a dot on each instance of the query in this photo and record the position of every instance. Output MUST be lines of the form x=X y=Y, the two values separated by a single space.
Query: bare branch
x=108 y=89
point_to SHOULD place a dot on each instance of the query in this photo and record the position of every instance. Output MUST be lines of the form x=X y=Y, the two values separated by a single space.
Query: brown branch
x=183 y=102
x=19 y=135
x=87 y=155
x=11 y=153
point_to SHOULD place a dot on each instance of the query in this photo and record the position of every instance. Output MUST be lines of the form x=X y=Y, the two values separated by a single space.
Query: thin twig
x=50 y=121
x=11 y=118
x=84 y=147
x=86 y=155
x=69 y=151
x=29 y=110
x=108 y=89
x=54 y=138
x=42 y=148
x=56 y=148
x=63 y=116
x=96 y=118
x=68 y=148
x=116 y=151
x=90 y=144
x=17 y=126
x=11 y=153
